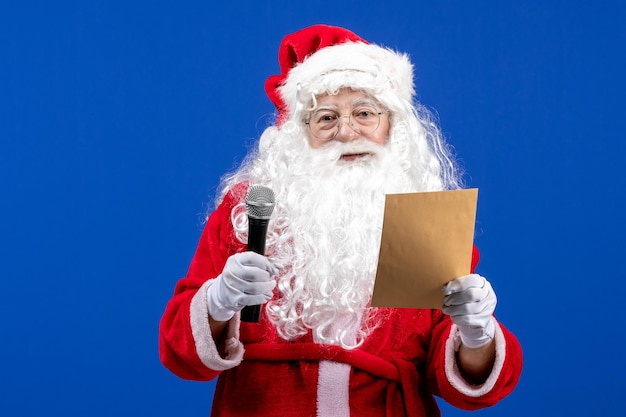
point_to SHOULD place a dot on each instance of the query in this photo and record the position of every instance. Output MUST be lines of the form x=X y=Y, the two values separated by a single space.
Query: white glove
x=470 y=302
x=245 y=280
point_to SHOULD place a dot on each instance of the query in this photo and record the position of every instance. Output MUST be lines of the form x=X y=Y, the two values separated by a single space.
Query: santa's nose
x=346 y=132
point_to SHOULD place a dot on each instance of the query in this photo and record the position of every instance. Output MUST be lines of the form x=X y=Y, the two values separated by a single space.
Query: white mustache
x=334 y=150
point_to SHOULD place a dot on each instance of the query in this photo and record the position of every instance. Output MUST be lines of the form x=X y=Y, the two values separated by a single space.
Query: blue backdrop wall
x=117 y=120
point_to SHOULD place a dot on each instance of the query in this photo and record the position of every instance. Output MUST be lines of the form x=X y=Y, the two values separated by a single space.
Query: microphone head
x=260 y=202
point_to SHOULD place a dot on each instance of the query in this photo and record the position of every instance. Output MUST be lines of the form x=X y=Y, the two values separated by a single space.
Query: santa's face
x=347 y=116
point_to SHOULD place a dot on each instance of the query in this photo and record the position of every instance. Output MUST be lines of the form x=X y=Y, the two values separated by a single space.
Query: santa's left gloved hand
x=470 y=302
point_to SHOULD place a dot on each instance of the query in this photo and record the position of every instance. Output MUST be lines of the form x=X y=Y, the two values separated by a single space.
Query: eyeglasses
x=325 y=124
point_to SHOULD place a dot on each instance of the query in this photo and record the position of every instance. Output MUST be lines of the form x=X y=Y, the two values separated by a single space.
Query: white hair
x=327 y=222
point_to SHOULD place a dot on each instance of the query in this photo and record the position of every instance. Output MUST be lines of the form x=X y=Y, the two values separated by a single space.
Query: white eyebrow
x=324 y=107
x=361 y=101
x=364 y=102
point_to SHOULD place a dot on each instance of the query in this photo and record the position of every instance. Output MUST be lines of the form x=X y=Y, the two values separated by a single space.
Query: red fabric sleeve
x=475 y=258
x=506 y=382
x=177 y=347
x=436 y=374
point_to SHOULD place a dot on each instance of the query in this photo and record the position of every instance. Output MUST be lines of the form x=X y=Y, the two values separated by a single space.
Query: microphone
x=260 y=203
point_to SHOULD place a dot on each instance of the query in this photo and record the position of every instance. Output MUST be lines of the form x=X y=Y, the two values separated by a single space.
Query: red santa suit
x=397 y=371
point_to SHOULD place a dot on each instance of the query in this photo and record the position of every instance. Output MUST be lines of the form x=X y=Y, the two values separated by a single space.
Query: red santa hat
x=322 y=59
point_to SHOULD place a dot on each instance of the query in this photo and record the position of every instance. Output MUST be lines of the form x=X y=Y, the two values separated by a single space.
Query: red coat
x=396 y=372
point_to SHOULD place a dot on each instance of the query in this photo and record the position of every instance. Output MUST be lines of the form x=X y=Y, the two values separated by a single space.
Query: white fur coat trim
x=333 y=383
x=454 y=375
x=205 y=345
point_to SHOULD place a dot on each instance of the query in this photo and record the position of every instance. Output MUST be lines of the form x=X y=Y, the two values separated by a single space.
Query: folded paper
x=427 y=241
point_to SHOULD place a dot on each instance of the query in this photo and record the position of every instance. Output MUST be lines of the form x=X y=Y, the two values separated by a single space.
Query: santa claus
x=348 y=132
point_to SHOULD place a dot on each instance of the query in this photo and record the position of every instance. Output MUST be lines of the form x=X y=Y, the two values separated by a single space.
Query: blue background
x=118 y=118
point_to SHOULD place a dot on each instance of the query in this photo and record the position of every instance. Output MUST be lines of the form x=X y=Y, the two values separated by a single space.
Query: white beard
x=327 y=223
x=326 y=232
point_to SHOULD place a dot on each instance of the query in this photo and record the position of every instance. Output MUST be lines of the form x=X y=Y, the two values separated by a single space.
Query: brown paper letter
x=427 y=240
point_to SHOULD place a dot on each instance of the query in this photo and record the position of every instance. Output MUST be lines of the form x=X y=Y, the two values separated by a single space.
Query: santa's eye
x=327 y=119
x=364 y=113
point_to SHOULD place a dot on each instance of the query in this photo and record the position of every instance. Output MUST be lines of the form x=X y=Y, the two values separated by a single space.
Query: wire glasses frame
x=325 y=124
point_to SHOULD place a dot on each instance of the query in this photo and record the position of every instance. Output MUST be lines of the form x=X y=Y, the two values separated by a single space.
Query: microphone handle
x=257 y=231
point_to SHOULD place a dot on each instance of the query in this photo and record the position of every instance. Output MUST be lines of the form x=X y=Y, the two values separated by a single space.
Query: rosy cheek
x=383 y=136
x=314 y=143
x=378 y=139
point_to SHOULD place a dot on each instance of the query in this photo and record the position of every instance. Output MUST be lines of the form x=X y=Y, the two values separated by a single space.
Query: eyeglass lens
x=325 y=124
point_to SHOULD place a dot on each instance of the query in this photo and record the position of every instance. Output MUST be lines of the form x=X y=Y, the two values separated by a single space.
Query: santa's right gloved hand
x=245 y=280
